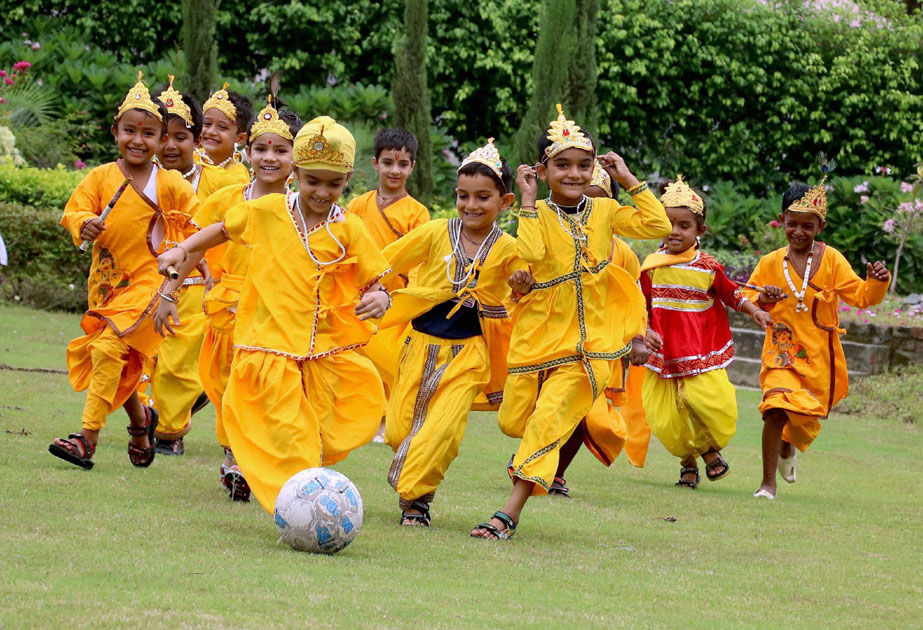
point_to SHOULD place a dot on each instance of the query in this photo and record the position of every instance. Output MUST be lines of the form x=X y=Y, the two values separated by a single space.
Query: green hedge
x=43 y=188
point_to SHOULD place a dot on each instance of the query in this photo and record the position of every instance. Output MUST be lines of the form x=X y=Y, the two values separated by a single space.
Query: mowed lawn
x=163 y=548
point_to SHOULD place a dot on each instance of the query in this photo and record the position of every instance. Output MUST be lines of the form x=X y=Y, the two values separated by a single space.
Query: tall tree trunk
x=411 y=98
x=199 y=46
x=580 y=88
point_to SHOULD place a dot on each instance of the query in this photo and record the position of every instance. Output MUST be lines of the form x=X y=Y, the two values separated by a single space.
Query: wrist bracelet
x=387 y=293
x=166 y=297
x=185 y=253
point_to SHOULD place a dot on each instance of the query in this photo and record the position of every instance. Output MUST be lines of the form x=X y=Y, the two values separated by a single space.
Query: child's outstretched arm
x=648 y=219
x=166 y=310
x=855 y=291
x=529 y=243
x=205 y=239
x=374 y=302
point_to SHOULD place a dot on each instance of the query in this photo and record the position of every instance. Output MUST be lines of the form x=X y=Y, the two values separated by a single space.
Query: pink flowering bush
x=907 y=220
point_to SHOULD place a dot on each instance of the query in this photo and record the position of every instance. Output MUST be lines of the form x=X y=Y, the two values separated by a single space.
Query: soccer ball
x=318 y=510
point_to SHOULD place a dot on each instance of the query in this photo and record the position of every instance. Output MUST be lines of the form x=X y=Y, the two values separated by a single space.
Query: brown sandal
x=143 y=457
x=71 y=453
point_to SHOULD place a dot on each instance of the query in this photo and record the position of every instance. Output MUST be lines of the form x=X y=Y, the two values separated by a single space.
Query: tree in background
x=580 y=85
x=411 y=99
x=199 y=47
x=553 y=54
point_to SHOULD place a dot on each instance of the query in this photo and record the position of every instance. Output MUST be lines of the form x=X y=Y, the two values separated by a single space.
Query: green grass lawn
x=162 y=547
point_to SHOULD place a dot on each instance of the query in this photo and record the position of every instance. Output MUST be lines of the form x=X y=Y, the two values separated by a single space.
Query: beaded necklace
x=196 y=173
x=334 y=209
x=580 y=235
x=801 y=306
x=469 y=272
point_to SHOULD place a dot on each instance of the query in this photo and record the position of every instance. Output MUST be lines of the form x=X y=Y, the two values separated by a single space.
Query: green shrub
x=45 y=269
x=43 y=188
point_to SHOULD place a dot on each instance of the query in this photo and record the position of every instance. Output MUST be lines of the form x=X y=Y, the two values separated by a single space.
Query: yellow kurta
x=804 y=368
x=299 y=395
x=386 y=225
x=438 y=379
x=579 y=317
x=123 y=282
x=220 y=306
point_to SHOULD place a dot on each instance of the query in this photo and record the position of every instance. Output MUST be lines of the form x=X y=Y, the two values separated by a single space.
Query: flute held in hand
x=756 y=288
x=108 y=208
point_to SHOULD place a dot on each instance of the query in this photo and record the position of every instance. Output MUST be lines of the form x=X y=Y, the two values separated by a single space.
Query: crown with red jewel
x=488 y=156
x=175 y=104
x=814 y=201
x=565 y=134
x=268 y=121
x=679 y=195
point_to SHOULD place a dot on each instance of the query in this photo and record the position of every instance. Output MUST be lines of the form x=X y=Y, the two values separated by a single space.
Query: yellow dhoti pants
x=632 y=410
x=437 y=382
x=785 y=390
x=215 y=364
x=108 y=367
x=283 y=416
x=691 y=415
x=175 y=382
x=544 y=408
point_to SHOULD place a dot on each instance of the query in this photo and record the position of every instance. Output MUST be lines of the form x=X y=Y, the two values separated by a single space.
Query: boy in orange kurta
x=804 y=368
x=389 y=212
x=154 y=209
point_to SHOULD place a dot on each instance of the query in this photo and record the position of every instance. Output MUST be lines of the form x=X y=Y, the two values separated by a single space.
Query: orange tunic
x=804 y=368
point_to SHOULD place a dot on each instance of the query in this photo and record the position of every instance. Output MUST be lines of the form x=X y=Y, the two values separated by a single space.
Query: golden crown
x=139 y=98
x=679 y=194
x=222 y=102
x=317 y=150
x=488 y=156
x=565 y=134
x=175 y=104
x=814 y=201
x=601 y=178
x=268 y=121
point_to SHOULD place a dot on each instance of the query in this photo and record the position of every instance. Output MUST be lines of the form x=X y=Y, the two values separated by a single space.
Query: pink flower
x=905 y=207
x=906 y=187
x=2 y=73
x=861 y=188
x=2 y=101
x=774 y=223
x=9 y=81
x=36 y=45
x=864 y=199
x=22 y=65
x=80 y=164
x=888 y=227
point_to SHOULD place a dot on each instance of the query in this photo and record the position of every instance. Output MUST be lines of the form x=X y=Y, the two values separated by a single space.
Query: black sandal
x=233 y=480
x=686 y=470
x=717 y=462
x=143 y=457
x=499 y=534
x=559 y=487
x=70 y=454
x=423 y=518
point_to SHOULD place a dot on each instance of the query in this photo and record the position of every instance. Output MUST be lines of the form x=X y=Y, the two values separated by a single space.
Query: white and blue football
x=318 y=510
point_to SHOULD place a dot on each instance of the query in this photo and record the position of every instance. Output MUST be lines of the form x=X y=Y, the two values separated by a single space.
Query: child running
x=153 y=211
x=299 y=394
x=804 y=369
x=226 y=116
x=572 y=325
x=389 y=213
x=456 y=344
x=270 y=148
x=690 y=403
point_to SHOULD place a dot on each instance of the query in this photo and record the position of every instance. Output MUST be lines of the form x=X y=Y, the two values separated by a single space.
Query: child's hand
x=770 y=294
x=762 y=318
x=878 y=271
x=521 y=281
x=639 y=353
x=528 y=186
x=91 y=229
x=373 y=305
x=615 y=166
x=206 y=274
x=173 y=257
x=165 y=312
x=653 y=341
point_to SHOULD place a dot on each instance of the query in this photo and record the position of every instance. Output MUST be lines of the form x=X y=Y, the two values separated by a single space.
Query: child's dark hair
x=396 y=140
x=287 y=114
x=504 y=183
x=544 y=143
x=793 y=194
x=244 y=110
x=161 y=108
x=195 y=110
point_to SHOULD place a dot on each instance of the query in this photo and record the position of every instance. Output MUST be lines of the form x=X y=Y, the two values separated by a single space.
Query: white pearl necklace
x=455 y=248
x=296 y=206
x=580 y=236
x=801 y=306
x=196 y=173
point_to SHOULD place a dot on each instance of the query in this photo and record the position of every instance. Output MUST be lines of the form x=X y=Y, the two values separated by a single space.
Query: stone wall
x=869 y=348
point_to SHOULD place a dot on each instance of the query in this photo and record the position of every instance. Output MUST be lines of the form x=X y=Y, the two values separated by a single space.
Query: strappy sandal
x=70 y=454
x=717 y=462
x=143 y=457
x=688 y=470
x=499 y=534
x=416 y=520
x=559 y=487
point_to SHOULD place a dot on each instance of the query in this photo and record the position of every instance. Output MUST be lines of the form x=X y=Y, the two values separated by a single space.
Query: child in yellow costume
x=176 y=391
x=389 y=213
x=226 y=116
x=804 y=368
x=150 y=207
x=271 y=139
x=455 y=346
x=299 y=394
x=690 y=403
x=605 y=430
x=581 y=313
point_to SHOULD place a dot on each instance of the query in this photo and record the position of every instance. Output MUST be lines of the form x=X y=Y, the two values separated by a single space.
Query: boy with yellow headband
x=804 y=369
x=226 y=116
x=581 y=313
x=299 y=394
x=690 y=403
x=150 y=210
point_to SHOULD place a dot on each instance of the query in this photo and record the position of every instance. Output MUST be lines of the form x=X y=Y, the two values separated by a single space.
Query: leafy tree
x=199 y=46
